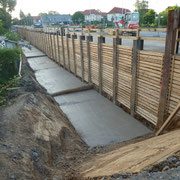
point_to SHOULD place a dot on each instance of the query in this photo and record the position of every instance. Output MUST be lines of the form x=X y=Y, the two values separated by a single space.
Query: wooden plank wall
x=149 y=73
x=174 y=85
x=94 y=62
x=124 y=65
x=107 y=69
x=149 y=70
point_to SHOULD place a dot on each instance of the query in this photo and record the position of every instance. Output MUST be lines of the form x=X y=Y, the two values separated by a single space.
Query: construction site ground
x=37 y=141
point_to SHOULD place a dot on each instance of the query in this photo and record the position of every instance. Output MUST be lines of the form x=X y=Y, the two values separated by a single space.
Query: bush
x=13 y=36
x=2 y=29
x=9 y=63
x=153 y=25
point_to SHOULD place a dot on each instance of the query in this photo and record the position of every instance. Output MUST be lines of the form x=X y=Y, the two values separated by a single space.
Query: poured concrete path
x=33 y=52
x=97 y=120
x=53 y=77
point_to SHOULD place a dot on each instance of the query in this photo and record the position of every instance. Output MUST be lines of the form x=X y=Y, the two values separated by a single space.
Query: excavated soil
x=36 y=139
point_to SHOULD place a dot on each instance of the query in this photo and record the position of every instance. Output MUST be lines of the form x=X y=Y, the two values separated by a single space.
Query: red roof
x=91 y=11
x=118 y=10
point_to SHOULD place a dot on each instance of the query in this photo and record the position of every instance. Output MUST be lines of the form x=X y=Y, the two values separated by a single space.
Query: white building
x=93 y=15
x=116 y=14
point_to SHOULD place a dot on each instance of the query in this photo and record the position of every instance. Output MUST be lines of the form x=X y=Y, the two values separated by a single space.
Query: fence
x=130 y=76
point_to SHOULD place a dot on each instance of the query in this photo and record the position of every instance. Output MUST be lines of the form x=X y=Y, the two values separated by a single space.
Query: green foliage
x=149 y=17
x=13 y=36
x=141 y=5
x=164 y=14
x=78 y=18
x=5 y=17
x=2 y=29
x=25 y=19
x=9 y=60
x=53 y=12
x=3 y=88
x=142 y=8
x=8 y=5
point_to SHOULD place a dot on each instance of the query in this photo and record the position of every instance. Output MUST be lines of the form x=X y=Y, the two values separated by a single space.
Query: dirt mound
x=36 y=139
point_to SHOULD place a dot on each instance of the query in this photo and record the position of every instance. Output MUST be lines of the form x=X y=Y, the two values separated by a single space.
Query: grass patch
x=9 y=67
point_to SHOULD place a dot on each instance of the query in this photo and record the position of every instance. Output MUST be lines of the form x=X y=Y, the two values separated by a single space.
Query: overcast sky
x=70 y=6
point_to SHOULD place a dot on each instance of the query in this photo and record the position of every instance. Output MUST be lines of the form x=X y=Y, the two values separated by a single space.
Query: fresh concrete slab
x=39 y=63
x=33 y=52
x=57 y=79
x=97 y=120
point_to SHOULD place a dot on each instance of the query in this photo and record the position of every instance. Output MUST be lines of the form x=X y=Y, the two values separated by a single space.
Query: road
x=157 y=46
x=149 y=45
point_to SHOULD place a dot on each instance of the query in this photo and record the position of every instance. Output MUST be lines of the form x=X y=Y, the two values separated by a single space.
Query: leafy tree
x=164 y=14
x=21 y=15
x=42 y=14
x=149 y=17
x=142 y=8
x=53 y=12
x=78 y=17
x=25 y=19
x=2 y=29
x=5 y=17
x=8 y=5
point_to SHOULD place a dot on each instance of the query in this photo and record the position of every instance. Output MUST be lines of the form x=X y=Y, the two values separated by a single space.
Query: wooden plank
x=54 y=40
x=100 y=65
x=169 y=121
x=173 y=24
x=132 y=158
x=89 y=60
x=58 y=46
x=137 y=45
x=74 y=56
x=67 y=44
x=78 y=89
x=62 y=43
x=115 y=41
x=51 y=42
x=152 y=39
x=82 y=59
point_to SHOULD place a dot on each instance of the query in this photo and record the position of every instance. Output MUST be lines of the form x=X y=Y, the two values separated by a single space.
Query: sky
x=34 y=7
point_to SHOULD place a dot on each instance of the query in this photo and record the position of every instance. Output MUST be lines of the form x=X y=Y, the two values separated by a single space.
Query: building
x=116 y=14
x=36 y=19
x=92 y=15
x=55 y=19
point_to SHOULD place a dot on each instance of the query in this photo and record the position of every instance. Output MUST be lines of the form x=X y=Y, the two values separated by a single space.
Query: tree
x=78 y=18
x=8 y=5
x=149 y=17
x=21 y=15
x=5 y=17
x=164 y=14
x=25 y=19
x=142 y=8
x=53 y=12
x=42 y=14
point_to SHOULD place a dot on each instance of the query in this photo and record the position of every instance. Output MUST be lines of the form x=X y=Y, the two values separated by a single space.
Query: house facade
x=117 y=14
x=92 y=15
